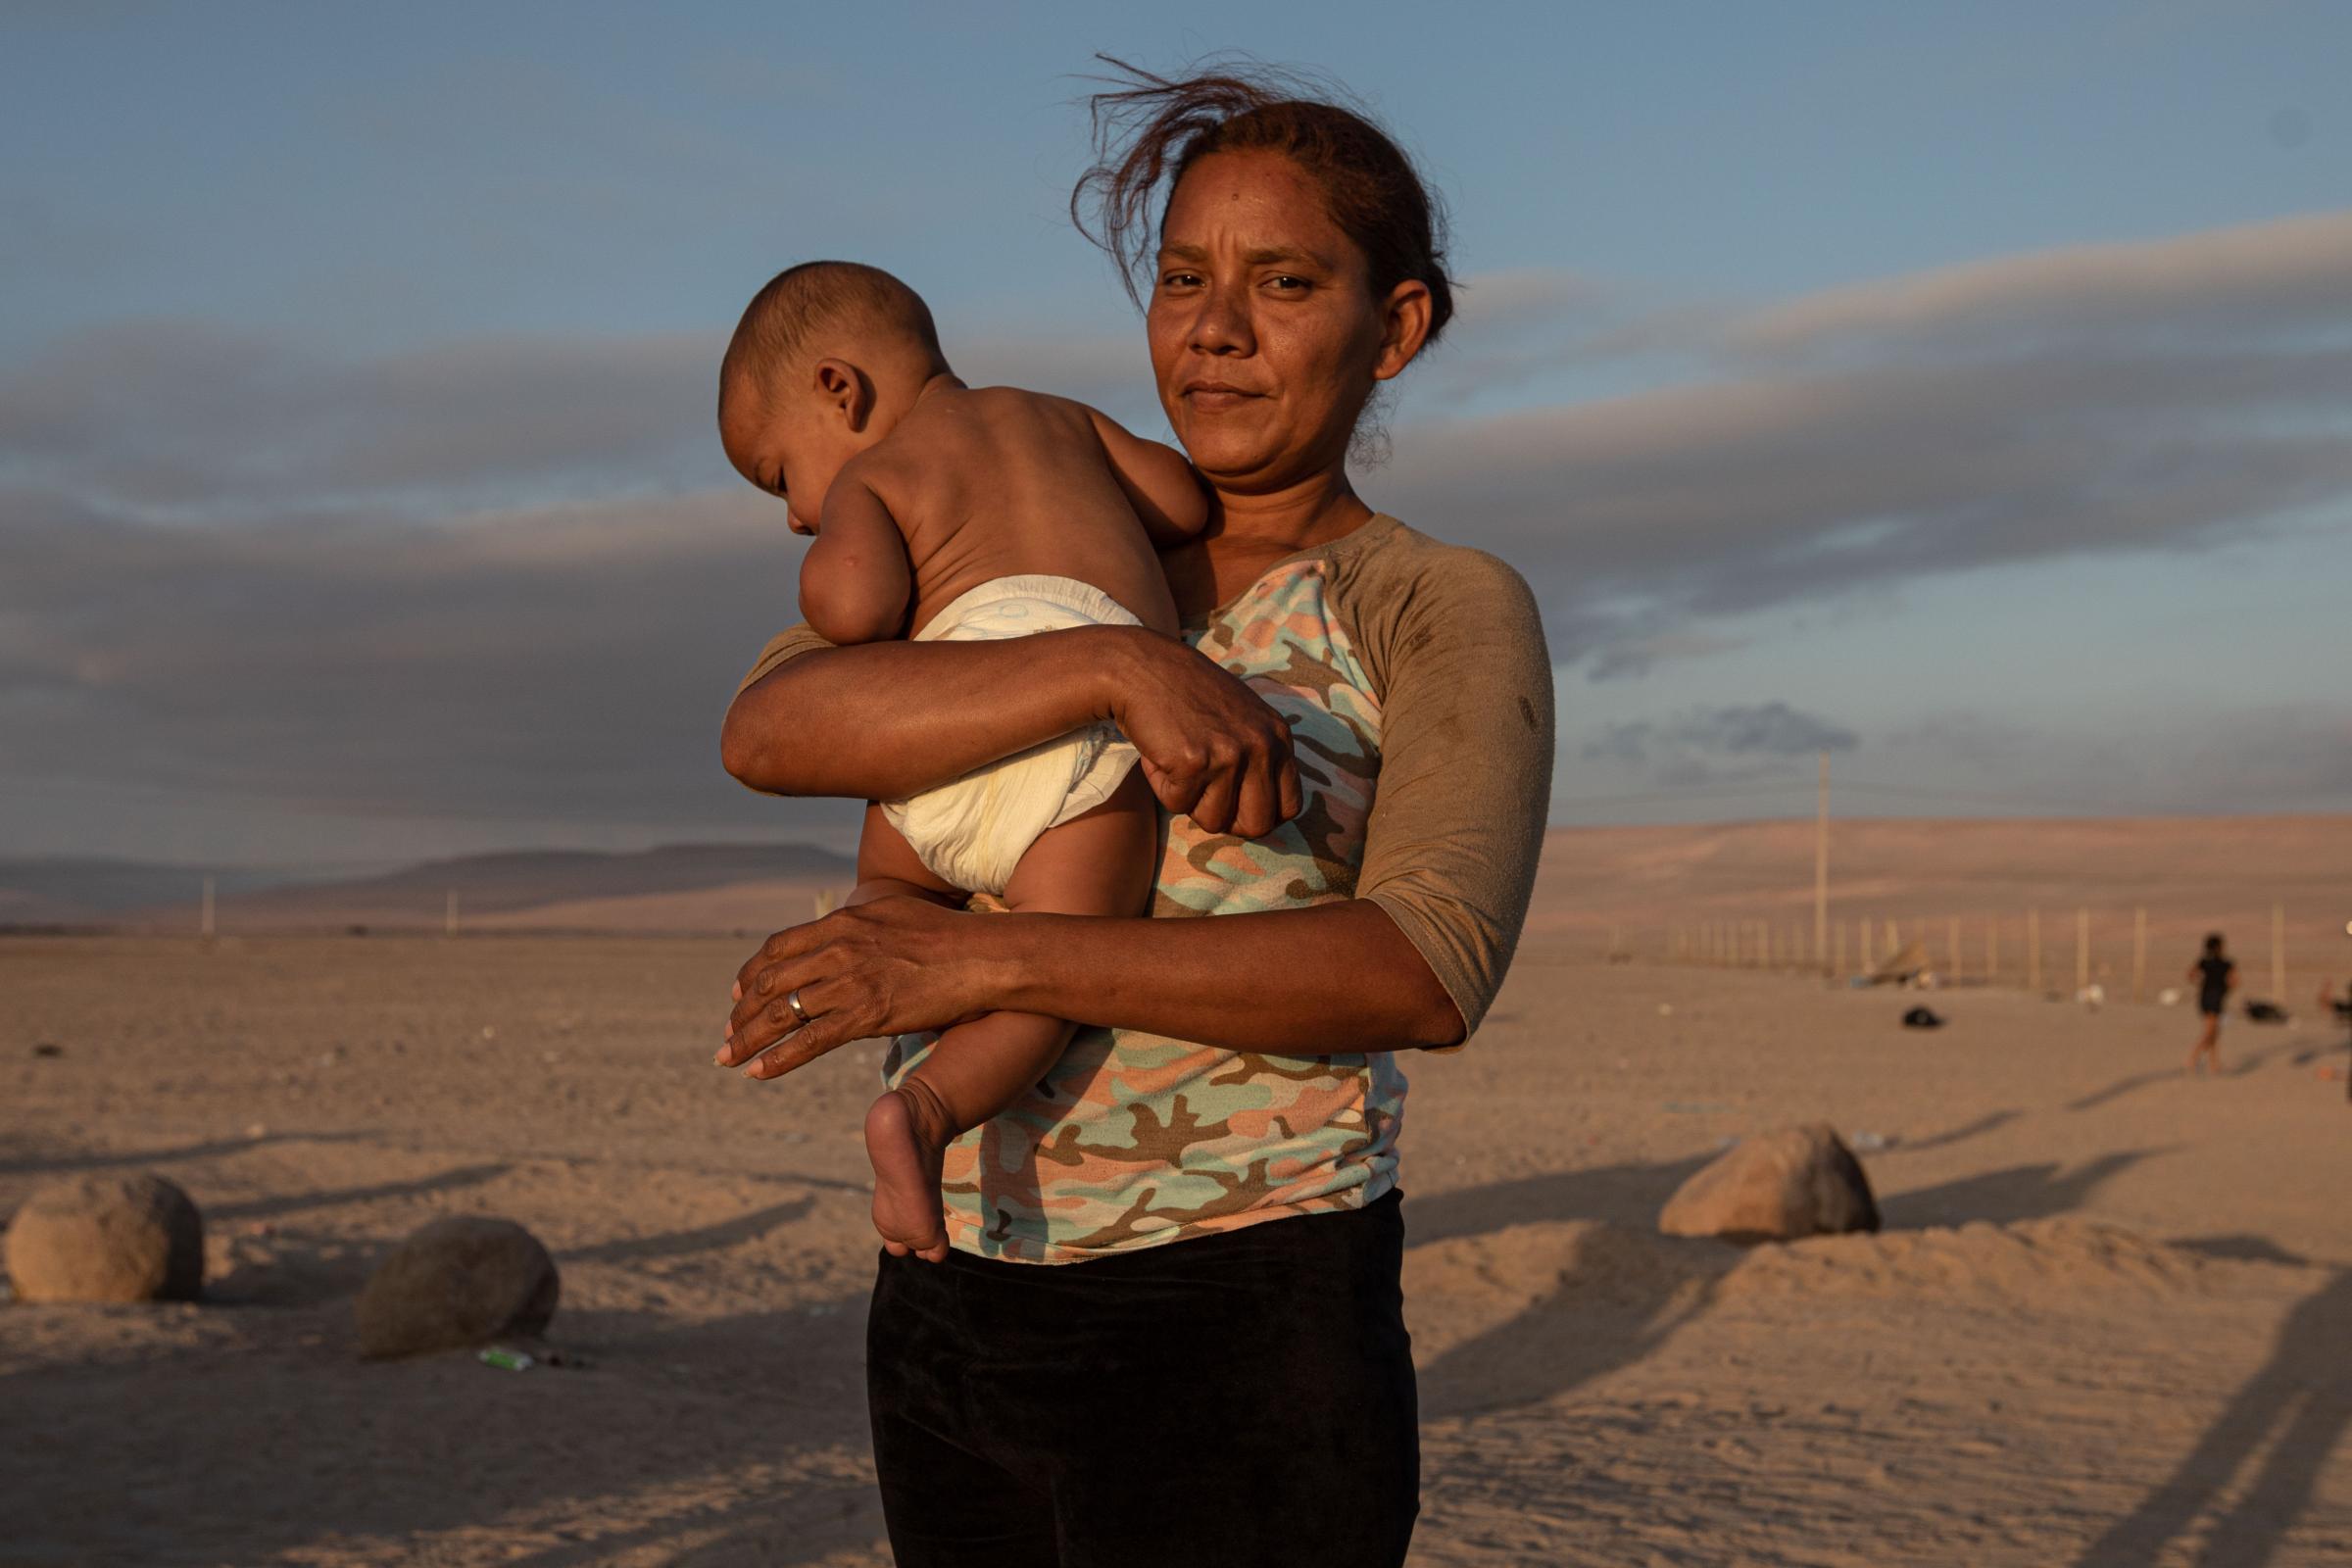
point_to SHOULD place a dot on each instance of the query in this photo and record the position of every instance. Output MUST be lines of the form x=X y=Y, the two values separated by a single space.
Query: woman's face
x=1266 y=339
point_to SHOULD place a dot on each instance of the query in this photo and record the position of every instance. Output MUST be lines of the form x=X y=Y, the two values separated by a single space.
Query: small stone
x=257 y=1130
x=106 y=1238
x=48 y=1049
x=489 y=1032
x=1775 y=1187
x=457 y=1283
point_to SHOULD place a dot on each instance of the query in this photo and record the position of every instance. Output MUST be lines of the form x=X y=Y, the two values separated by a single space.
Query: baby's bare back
x=987 y=482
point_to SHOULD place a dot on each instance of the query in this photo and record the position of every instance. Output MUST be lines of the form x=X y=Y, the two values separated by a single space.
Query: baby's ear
x=846 y=387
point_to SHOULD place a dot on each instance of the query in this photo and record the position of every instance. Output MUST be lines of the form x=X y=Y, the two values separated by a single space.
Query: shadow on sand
x=2294 y=1412
x=2006 y=1196
x=211 y=1148
x=1575 y=1329
x=735 y=1439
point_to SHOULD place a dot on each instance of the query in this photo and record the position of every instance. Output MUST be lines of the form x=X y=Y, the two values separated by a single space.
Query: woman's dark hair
x=2212 y=944
x=1148 y=130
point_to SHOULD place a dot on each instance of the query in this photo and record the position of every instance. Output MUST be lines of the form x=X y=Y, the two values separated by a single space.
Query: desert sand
x=2109 y=1321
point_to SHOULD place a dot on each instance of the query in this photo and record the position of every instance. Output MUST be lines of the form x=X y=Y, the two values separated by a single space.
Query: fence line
x=2110 y=952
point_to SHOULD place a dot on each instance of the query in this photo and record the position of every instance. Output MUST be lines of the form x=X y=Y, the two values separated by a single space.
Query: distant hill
x=85 y=891
x=674 y=887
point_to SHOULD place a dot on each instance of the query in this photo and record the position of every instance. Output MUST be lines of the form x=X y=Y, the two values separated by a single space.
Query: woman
x=1355 y=755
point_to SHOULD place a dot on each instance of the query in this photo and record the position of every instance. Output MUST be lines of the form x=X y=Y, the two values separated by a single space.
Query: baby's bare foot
x=907 y=1136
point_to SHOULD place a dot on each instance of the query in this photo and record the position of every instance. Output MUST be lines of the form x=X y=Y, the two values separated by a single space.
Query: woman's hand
x=1212 y=749
x=890 y=967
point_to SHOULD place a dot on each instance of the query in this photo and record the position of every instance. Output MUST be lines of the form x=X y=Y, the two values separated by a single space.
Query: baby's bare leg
x=1100 y=863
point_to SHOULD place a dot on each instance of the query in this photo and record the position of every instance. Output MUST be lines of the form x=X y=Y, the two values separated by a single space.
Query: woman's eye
x=1178 y=280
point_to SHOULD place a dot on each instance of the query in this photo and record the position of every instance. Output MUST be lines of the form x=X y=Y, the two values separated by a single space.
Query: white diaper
x=974 y=832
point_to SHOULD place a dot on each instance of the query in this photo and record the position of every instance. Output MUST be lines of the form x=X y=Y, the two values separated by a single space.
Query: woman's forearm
x=1332 y=979
x=889 y=719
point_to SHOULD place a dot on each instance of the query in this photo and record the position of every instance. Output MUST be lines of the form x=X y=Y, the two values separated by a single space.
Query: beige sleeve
x=1453 y=640
x=783 y=647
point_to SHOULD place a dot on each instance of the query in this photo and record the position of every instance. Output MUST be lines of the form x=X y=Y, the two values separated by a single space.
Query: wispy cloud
x=2131 y=398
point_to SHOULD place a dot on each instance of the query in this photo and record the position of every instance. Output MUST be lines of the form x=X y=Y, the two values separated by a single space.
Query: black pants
x=1237 y=1399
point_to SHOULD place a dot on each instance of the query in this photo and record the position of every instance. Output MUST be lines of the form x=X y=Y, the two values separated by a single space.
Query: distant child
x=2214 y=976
x=952 y=513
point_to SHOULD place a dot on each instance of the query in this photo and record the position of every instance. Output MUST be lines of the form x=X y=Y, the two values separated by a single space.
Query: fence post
x=2139 y=952
x=2081 y=950
x=2278 y=954
x=2033 y=950
x=1952 y=940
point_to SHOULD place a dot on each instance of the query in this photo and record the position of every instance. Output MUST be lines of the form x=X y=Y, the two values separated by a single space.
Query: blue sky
x=1955 y=385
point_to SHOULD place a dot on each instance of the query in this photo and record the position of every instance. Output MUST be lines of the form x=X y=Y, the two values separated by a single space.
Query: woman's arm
x=1450 y=858
x=1333 y=979
x=886 y=720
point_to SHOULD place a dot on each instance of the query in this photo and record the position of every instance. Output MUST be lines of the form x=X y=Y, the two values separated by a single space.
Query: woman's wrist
x=1002 y=960
x=1118 y=663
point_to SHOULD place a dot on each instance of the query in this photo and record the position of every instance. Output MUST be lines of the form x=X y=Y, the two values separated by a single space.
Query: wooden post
x=1838 y=967
x=2081 y=950
x=1952 y=943
x=1870 y=952
x=2278 y=954
x=1820 y=866
x=204 y=924
x=2033 y=950
x=2139 y=952
x=1992 y=948
x=1894 y=940
x=449 y=915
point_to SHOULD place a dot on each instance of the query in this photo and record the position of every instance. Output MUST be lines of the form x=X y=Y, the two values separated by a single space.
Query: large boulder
x=1775 y=1187
x=106 y=1238
x=455 y=1283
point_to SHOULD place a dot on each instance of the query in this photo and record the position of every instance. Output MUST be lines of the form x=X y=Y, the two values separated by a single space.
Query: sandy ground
x=2110 y=1321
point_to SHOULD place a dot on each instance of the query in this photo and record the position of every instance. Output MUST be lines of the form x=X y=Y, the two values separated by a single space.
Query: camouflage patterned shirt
x=1417 y=684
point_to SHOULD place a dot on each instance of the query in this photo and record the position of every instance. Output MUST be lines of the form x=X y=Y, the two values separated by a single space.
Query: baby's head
x=827 y=358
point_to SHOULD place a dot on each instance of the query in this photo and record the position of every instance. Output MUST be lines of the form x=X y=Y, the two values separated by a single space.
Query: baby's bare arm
x=856 y=580
x=1166 y=494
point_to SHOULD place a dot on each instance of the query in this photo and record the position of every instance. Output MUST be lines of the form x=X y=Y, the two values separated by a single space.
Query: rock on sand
x=106 y=1238
x=458 y=1281
x=1775 y=1187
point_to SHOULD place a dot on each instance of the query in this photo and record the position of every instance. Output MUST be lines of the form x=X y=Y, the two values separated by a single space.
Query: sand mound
x=1468 y=1285
x=2044 y=1260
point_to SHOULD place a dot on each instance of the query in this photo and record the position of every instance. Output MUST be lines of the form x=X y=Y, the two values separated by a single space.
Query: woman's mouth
x=1213 y=396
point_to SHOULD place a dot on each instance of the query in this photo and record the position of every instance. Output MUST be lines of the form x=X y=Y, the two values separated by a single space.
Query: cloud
x=510 y=579
x=1759 y=732
x=2255 y=277
x=179 y=420
x=2156 y=396
x=565 y=664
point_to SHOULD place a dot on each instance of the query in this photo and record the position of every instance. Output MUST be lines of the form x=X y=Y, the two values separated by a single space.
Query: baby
x=952 y=513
